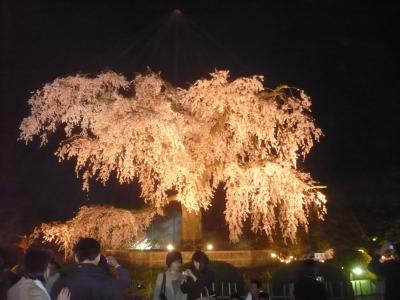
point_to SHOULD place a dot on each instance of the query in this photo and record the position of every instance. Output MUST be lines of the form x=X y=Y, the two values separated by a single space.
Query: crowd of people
x=99 y=277
x=39 y=276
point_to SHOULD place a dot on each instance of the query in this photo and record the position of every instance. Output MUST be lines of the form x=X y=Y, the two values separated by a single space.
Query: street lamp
x=358 y=271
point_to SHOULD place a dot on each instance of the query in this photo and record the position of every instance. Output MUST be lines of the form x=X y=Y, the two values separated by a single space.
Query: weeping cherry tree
x=188 y=141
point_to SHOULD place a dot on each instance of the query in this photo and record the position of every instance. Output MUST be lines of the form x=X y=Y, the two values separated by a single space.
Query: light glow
x=358 y=271
x=142 y=245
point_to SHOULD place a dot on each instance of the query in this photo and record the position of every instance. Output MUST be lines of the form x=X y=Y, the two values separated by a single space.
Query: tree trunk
x=191 y=231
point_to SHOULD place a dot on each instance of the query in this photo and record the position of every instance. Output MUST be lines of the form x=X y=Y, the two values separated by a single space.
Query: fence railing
x=354 y=290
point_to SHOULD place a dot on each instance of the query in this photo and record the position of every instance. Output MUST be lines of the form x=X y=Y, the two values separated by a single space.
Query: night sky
x=344 y=54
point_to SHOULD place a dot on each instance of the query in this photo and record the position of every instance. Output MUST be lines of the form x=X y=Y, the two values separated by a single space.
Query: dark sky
x=345 y=54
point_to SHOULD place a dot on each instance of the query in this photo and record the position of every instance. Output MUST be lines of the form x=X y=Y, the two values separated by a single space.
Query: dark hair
x=55 y=264
x=256 y=282
x=87 y=249
x=263 y=295
x=36 y=262
x=173 y=256
x=202 y=258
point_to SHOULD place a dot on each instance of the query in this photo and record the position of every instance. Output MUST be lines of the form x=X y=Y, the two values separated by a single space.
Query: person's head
x=310 y=268
x=54 y=267
x=174 y=260
x=36 y=264
x=263 y=296
x=200 y=260
x=255 y=286
x=87 y=250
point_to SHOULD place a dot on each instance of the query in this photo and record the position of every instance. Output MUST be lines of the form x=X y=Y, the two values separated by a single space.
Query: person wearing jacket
x=123 y=277
x=199 y=279
x=87 y=281
x=169 y=283
x=35 y=273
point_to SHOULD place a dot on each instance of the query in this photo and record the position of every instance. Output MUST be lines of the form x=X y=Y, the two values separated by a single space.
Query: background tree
x=188 y=141
x=114 y=227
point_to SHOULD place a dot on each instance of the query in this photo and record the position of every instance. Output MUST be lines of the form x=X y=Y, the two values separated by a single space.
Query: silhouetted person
x=34 y=275
x=307 y=286
x=389 y=270
x=198 y=282
x=87 y=281
x=255 y=290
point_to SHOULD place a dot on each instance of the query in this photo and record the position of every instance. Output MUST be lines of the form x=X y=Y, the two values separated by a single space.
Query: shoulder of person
x=27 y=283
x=35 y=292
x=14 y=287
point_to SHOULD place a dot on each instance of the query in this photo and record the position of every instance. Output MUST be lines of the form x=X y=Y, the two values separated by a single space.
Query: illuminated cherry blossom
x=187 y=141
x=114 y=227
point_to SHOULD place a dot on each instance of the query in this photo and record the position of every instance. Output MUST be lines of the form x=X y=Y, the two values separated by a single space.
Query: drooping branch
x=113 y=227
x=189 y=141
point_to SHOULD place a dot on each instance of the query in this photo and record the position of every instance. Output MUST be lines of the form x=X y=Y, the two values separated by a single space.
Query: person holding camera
x=122 y=276
x=168 y=284
x=198 y=279
x=87 y=281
